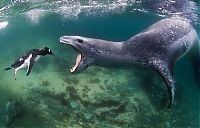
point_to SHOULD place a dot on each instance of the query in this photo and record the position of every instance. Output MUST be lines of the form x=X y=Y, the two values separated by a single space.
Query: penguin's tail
x=8 y=68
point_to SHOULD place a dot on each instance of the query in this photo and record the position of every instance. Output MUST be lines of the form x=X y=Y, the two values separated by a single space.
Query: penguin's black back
x=18 y=62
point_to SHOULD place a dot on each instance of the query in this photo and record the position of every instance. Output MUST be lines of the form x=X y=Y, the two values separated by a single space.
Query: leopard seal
x=157 y=48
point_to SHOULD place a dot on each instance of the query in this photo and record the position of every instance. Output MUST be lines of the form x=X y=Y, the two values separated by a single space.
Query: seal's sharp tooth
x=78 y=60
x=71 y=70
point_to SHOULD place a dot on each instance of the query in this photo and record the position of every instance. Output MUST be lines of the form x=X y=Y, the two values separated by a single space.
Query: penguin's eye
x=80 y=41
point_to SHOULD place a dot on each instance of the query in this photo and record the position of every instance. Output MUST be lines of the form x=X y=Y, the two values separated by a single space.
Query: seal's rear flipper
x=165 y=71
x=196 y=67
x=194 y=56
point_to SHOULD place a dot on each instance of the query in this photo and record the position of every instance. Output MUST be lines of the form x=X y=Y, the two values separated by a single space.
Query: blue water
x=97 y=97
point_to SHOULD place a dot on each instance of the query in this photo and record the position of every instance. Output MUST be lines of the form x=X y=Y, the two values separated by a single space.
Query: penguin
x=27 y=60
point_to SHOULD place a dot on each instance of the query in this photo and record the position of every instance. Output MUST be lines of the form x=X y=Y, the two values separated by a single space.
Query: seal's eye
x=80 y=41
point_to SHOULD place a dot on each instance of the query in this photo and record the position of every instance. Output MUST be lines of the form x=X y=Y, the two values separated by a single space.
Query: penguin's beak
x=52 y=54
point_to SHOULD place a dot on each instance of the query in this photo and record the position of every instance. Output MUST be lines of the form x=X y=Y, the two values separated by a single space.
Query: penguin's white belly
x=26 y=63
x=37 y=58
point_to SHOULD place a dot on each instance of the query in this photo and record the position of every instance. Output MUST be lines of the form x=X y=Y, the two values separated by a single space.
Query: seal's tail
x=8 y=68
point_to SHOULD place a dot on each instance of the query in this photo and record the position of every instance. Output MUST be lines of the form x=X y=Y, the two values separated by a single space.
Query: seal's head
x=83 y=47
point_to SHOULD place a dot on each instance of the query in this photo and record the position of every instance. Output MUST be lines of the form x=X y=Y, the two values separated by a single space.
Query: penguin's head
x=46 y=51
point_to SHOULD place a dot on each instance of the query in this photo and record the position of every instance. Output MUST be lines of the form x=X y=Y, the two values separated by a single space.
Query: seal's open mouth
x=78 y=61
x=79 y=56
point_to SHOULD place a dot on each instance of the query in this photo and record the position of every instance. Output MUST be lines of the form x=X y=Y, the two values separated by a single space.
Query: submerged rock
x=7 y=120
x=45 y=83
x=74 y=104
x=87 y=116
x=14 y=110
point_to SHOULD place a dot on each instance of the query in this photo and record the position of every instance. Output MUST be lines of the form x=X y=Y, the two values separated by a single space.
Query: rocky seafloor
x=95 y=98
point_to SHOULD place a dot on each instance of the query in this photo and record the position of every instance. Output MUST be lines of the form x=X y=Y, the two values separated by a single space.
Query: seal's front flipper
x=30 y=66
x=165 y=71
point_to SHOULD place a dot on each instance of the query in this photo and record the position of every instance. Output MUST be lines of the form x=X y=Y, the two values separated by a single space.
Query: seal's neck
x=111 y=54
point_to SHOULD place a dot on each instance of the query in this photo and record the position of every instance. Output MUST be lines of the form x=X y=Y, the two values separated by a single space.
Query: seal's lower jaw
x=78 y=61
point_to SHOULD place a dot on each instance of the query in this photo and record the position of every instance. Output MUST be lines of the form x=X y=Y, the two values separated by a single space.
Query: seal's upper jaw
x=71 y=41
x=66 y=40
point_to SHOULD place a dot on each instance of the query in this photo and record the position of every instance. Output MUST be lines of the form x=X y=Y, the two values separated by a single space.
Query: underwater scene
x=97 y=97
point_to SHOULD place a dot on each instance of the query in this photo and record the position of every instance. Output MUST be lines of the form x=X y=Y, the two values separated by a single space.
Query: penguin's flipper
x=30 y=66
x=8 y=68
x=165 y=71
x=15 y=73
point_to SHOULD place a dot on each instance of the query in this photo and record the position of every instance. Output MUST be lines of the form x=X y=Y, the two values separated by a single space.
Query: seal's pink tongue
x=78 y=60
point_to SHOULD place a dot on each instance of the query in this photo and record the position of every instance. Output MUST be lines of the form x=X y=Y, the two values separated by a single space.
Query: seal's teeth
x=78 y=60
x=72 y=69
